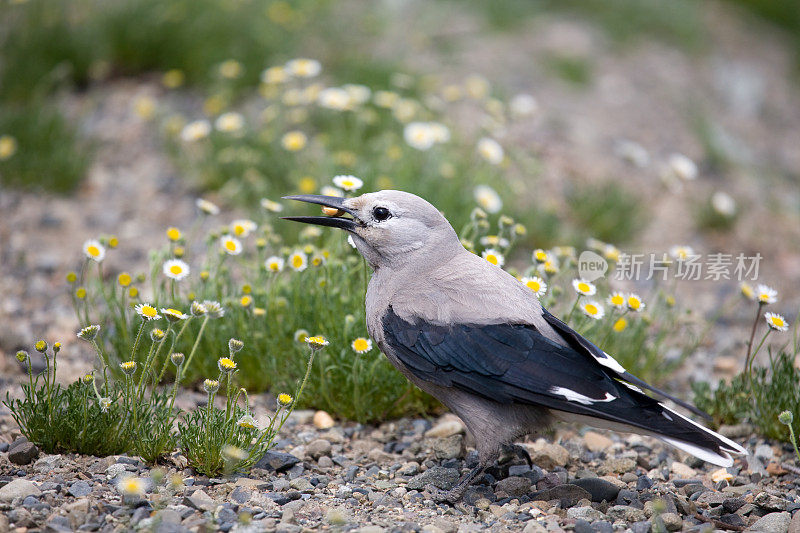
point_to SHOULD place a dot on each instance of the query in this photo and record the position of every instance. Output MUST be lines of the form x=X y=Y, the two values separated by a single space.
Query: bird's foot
x=519 y=451
x=438 y=495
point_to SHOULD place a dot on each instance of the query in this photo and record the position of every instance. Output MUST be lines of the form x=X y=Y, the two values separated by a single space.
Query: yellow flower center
x=534 y=285
x=238 y=229
x=124 y=279
x=173 y=312
x=634 y=303
x=591 y=309
x=297 y=261
x=175 y=269
x=230 y=246
x=583 y=287
x=541 y=256
x=360 y=344
x=245 y=301
x=149 y=311
x=93 y=250
x=617 y=299
x=273 y=265
x=620 y=325
x=227 y=364
x=173 y=234
x=777 y=321
x=492 y=259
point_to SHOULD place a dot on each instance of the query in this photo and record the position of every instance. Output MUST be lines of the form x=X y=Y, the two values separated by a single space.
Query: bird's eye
x=381 y=213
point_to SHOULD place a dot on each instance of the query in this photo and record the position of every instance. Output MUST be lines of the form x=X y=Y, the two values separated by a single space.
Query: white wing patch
x=577 y=397
x=610 y=362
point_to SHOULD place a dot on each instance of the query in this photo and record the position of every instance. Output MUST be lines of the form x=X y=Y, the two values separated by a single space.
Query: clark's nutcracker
x=477 y=339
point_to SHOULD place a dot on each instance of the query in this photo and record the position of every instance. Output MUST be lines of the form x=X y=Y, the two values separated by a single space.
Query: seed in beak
x=332 y=211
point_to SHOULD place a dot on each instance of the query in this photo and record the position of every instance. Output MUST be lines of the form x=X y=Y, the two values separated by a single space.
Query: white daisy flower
x=635 y=302
x=334 y=98
x=440 y=132
x=175 y=269
x=328 y=190
x=490 y=150
x=359 y=94
x=196 y=131
x=94 y=250
x=776 y=321
x=584 y=288
x=681 y=252
x=494 y=257
x=536 y=284
x=303 y=68
x=147 y=311
x=682 y=167
x=348 y=183
x=723 y=203
x=243 y=227
x=274 y=264
x=271 y=205
x=419 y=135
x=592 y=309
x=298 y=261
x=274 y=75
x=231 y=245
x=765 y=294
x=229 y=122
x=488 y=199
x=523 y=105
x=361 y=345
x=494 y=240
x=617 y=299
x=209 y=208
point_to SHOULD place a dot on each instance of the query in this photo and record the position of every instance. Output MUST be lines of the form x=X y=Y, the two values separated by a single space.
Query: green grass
x=609 y=211
x=50 y=154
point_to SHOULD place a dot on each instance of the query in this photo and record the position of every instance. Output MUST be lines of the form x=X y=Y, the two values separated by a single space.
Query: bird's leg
x=519 y=451
x=453 y=495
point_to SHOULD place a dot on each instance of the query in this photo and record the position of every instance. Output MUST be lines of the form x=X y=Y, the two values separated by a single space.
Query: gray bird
x=477 y=339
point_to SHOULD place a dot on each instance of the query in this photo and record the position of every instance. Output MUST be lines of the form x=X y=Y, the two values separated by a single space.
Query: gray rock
x=200 y=500
x=18 y=488
x=240 y=495
x=641 y=527
x=301 y=484
x=22 y=452
x=277 y=461
x=772 y=523
x=59 y=524
x=450 y=447
x=587 y=513
x=672 y=521
x=626 y=513
x=440 y=477
x=318 y=448
x=600 y=489
x=769 y=502
x=567 y=494
x=80 y=489
x=514 y=486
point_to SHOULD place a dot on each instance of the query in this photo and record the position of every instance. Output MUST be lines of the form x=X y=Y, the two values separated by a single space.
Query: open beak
x=332 y=202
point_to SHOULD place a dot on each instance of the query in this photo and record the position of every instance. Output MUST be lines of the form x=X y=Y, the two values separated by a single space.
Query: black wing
x=515 y=363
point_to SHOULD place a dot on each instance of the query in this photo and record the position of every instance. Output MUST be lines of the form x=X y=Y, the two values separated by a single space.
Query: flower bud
x=41 y=346
x=235 y=345
x=128 y=367
x=156 y=334
x=198 y=309
x=89 y=332
x=22 y=356
x=284 y=399
x=87 y=379
x=211 y=386
x=177 y=358
x=56 y=347
x=786 y=418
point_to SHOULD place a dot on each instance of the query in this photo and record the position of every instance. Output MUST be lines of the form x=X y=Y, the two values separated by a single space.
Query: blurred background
x=643 y=123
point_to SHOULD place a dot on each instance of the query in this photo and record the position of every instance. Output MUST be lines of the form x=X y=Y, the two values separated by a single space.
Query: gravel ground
x=372 y=479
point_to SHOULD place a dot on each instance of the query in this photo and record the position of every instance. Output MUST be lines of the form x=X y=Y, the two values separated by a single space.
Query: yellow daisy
x=490 y=150
x=274 y=264
x=175 y=269
x=494 y=257
x=536 y=284
x=147 y=311
x=593 y=309
x=173 y=315
x=584 y=288
x=635 y=302
x=94 y=250
x=284 y=399
x=361 y=345
x=348 y=183
x=128 y=367
x=247 y=422
x=243 y=227
x=766 y=295
x=230 y=245
x=226 y=364
x=776 y=321
x=747 y=290
x=298 y=261
x=617 y=299
x=317 y=341
x=620 y=324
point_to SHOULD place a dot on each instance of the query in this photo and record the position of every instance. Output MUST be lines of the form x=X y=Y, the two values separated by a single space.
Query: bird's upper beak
x=334 y=220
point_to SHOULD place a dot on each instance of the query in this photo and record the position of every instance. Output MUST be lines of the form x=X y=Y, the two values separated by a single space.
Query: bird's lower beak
x=333 y=203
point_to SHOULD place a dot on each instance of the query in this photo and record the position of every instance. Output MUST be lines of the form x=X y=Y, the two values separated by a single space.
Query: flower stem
x=196 y=344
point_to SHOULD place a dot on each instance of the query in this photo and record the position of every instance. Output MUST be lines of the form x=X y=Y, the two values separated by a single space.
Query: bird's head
x=389 y=228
